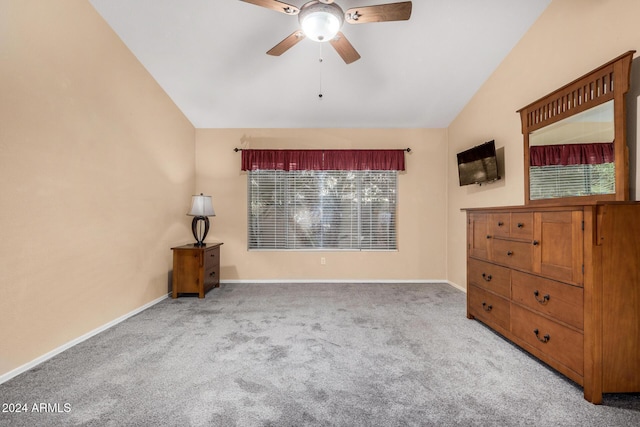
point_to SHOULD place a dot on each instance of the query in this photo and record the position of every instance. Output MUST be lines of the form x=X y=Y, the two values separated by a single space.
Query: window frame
x=282 y=203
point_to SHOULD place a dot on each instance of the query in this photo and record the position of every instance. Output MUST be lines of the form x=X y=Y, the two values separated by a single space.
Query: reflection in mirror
x=574 y=156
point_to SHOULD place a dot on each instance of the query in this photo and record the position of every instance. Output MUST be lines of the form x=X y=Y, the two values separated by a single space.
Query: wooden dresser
x=196 y=269
x=563 y=283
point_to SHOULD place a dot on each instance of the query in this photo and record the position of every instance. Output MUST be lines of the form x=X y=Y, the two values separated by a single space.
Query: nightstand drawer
x=212 y=276
x=211 y=257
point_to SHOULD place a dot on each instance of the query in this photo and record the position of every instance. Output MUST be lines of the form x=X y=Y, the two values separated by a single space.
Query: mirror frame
x=610 y=81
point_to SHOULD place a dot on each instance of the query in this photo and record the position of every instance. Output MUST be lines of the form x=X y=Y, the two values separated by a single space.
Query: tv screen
x=478 y=164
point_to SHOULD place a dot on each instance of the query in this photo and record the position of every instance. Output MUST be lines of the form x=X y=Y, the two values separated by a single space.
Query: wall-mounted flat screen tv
x=478 y=165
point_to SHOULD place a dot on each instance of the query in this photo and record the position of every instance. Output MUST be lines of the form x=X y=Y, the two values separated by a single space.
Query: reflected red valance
x=292 y=160
x=571 y=154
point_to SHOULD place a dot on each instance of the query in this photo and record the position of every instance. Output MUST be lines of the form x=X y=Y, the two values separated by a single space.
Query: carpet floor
x=304 y=355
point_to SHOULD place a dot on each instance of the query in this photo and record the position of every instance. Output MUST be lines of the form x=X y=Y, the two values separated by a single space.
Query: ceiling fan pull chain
x=320 y=60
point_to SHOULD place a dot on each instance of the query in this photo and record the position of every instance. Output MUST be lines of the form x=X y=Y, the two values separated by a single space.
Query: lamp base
x=200 y=233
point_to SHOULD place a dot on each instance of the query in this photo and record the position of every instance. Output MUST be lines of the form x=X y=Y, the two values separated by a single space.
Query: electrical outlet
x=323 y=260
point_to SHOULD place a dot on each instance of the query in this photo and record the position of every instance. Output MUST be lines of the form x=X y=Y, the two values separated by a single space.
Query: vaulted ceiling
x=209 y=57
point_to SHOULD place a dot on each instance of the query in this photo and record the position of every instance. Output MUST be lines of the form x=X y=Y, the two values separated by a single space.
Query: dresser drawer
x=558 y=300
x=489 y=276
x=512 y=254
x=522 y=225
x=490 y=308
x=559 y=342
x=500 y=224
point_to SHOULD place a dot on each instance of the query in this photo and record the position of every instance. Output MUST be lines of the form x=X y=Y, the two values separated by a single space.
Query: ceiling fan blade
x=344 y=48
x=286 y=44
x=380 y=13
x=276 y=5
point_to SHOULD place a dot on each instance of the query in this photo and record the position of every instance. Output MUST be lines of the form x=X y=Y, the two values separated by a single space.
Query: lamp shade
x=201 y=206
x=321 y=22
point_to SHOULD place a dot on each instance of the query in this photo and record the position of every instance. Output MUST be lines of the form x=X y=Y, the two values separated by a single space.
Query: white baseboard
x=455 y=285
x=320 y=281
x=6 y=377
x=422 y=281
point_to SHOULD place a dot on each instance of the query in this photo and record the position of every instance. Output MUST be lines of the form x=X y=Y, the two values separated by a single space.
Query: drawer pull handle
x=535 y=243
x=520 y=225
x=545 y=339
x=500 y=223
x=213 y=273
x=487 y=307
x=509 y=253
x=488 y=236
x=486 y=277
x=544 y=300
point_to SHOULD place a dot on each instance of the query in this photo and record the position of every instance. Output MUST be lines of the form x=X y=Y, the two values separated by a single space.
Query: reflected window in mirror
x=575 y=156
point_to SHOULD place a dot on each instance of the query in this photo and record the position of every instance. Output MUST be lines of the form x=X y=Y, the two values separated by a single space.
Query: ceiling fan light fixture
x=321 y=22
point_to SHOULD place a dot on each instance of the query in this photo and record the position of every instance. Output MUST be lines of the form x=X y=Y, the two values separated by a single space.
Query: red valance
x=571 y=154
x=291 y=160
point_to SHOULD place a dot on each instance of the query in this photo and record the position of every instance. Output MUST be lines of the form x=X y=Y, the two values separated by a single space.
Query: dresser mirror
x=575 y=148
x=574 y=157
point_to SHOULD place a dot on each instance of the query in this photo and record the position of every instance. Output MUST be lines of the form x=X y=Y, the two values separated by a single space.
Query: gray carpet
x=305 y=355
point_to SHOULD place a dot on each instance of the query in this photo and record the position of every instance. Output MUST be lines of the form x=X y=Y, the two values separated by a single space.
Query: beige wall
x=421 y=201
x=97 y=170
x=570 y=38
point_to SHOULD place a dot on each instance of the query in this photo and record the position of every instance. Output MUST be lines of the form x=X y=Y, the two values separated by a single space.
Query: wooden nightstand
x=196 y=269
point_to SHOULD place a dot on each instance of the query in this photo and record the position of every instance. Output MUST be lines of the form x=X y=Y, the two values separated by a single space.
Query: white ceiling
x=209 y=56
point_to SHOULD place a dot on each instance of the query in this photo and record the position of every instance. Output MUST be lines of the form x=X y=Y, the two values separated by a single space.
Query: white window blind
x=321 y=210
x=571 y=180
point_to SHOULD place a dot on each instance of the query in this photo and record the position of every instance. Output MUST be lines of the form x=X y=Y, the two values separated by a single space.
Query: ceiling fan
x=321 y=21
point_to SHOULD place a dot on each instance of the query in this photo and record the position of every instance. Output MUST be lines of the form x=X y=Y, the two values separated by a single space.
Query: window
x=322 y=209
x=322 y=199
